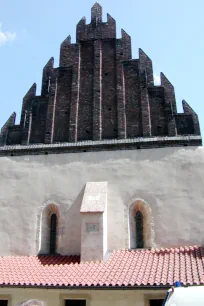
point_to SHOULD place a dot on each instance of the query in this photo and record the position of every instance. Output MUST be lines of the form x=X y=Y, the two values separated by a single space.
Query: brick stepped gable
x=99 y=92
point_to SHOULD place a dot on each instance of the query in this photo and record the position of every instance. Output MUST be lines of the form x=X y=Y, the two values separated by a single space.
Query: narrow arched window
x=53 y=232
x=139 y=230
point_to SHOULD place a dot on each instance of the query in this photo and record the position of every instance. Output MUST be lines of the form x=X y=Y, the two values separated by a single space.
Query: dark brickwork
x=39 y=113
x=133 y=99
x=109 y=102
x=62 y=109
x=99 y=92
x=14 y=135
x=85 y=108
x=6 y=130
x=159 y=124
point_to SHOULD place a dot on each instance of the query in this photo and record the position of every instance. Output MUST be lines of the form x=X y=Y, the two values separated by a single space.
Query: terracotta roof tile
x=123 y=268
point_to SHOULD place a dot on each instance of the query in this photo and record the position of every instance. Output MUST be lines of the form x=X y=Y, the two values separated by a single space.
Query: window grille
x=139 y=230
x=53 y=232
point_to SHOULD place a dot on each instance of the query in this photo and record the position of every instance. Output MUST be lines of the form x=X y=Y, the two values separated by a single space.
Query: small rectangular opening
x=156 y=302
x=3 y=303
x=74 y=302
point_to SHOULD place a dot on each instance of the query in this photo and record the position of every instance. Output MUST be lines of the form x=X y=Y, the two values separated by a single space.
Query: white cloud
x=6 y=36
x=157 y=80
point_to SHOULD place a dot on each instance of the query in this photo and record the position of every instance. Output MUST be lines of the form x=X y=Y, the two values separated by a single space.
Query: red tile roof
x=123 y=268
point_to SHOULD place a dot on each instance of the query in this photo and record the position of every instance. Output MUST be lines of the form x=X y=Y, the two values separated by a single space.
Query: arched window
x=139 y=230
x=140 y=225
x=48 y=225
x=53 y=232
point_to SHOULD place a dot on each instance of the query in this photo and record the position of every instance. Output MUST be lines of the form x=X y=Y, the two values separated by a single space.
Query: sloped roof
x=123 y=268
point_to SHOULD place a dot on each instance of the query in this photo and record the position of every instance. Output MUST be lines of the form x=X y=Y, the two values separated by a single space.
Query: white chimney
x=94 y=221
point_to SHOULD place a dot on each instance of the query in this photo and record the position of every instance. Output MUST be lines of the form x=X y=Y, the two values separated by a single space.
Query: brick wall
x=133 y=100
x=109 y=103
x=39 y=112
x=62 y=109
x=85 y=110
x=99 y=92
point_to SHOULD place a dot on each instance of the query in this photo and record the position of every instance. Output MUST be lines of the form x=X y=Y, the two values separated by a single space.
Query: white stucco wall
x=169 y=180
x=55 y=297
x=94 y=221
x=92 y=246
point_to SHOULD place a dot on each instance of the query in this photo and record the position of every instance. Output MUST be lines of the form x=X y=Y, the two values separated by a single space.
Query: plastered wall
x=55 y=297
x=169 y=180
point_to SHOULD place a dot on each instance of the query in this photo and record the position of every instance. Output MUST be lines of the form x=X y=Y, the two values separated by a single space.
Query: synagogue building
x=102 y=181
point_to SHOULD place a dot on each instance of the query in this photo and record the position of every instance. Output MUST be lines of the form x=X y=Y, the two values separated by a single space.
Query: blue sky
x=170 y=32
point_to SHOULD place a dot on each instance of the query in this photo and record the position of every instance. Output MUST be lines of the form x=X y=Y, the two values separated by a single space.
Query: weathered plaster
x=148 y=224
x=169 y=180
x=94 y=221
x=43 y=230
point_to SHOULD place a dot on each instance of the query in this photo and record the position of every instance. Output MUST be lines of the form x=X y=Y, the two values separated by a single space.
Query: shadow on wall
x=72 y=236
x=68 y=228
x=140 y=225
